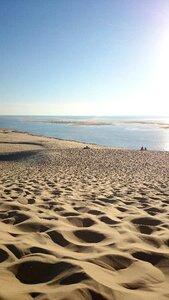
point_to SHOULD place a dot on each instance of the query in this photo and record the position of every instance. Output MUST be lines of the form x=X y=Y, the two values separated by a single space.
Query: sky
x=84 y=57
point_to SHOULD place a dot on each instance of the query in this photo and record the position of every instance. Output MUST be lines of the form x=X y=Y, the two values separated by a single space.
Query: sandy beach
x=82 y=222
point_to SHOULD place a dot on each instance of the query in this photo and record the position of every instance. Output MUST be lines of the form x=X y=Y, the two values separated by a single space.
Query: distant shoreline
x=37 y=142
x=97 y=122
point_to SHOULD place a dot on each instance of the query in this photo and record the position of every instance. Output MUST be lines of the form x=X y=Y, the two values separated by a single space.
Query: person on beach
x=143 y=149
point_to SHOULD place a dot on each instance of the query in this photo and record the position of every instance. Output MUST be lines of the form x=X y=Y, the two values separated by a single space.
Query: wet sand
x=81 y=223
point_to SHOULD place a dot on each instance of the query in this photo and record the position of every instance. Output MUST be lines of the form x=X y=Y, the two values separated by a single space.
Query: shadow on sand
x=17 y=155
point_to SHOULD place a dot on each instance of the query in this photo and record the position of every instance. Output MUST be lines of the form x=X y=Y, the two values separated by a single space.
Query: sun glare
x=163 y=63
x=158 y=89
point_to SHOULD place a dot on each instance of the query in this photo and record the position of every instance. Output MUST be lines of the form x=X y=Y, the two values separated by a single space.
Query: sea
x=131 y=132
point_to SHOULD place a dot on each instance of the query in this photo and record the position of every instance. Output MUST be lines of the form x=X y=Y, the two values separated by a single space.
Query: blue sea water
x=123 y=135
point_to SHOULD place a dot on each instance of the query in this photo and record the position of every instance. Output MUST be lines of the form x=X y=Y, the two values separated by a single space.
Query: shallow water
x=125 y=135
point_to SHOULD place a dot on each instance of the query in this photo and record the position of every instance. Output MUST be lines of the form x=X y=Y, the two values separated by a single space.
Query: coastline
x=82 y=223
x=44 y=139
x=127 y=134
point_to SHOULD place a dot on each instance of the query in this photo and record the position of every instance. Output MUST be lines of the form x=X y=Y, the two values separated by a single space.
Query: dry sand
x=82 y=224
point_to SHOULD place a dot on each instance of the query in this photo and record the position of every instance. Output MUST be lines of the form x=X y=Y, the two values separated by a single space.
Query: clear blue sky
x=84 y=57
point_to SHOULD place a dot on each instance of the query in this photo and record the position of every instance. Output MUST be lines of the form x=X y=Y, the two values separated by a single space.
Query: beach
x=121 y=132
x=81 y=221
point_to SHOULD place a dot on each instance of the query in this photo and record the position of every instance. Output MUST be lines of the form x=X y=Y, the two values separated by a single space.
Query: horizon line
x=67 y=115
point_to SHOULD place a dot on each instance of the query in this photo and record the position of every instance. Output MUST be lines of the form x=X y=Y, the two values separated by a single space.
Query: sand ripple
x=83 y=224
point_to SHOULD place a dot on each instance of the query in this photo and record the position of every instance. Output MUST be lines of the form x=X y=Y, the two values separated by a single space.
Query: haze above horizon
x=84 y=57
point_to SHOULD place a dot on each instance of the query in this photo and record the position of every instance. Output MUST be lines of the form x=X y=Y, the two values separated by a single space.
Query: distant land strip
x=96 y=122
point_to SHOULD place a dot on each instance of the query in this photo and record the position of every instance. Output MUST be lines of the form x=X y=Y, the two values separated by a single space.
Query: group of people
x=143 y=149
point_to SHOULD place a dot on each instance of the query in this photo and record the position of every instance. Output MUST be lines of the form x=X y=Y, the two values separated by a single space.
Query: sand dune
x=82 y=224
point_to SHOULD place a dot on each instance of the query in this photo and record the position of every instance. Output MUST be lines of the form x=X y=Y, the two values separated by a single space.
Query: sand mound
x=81 y=224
